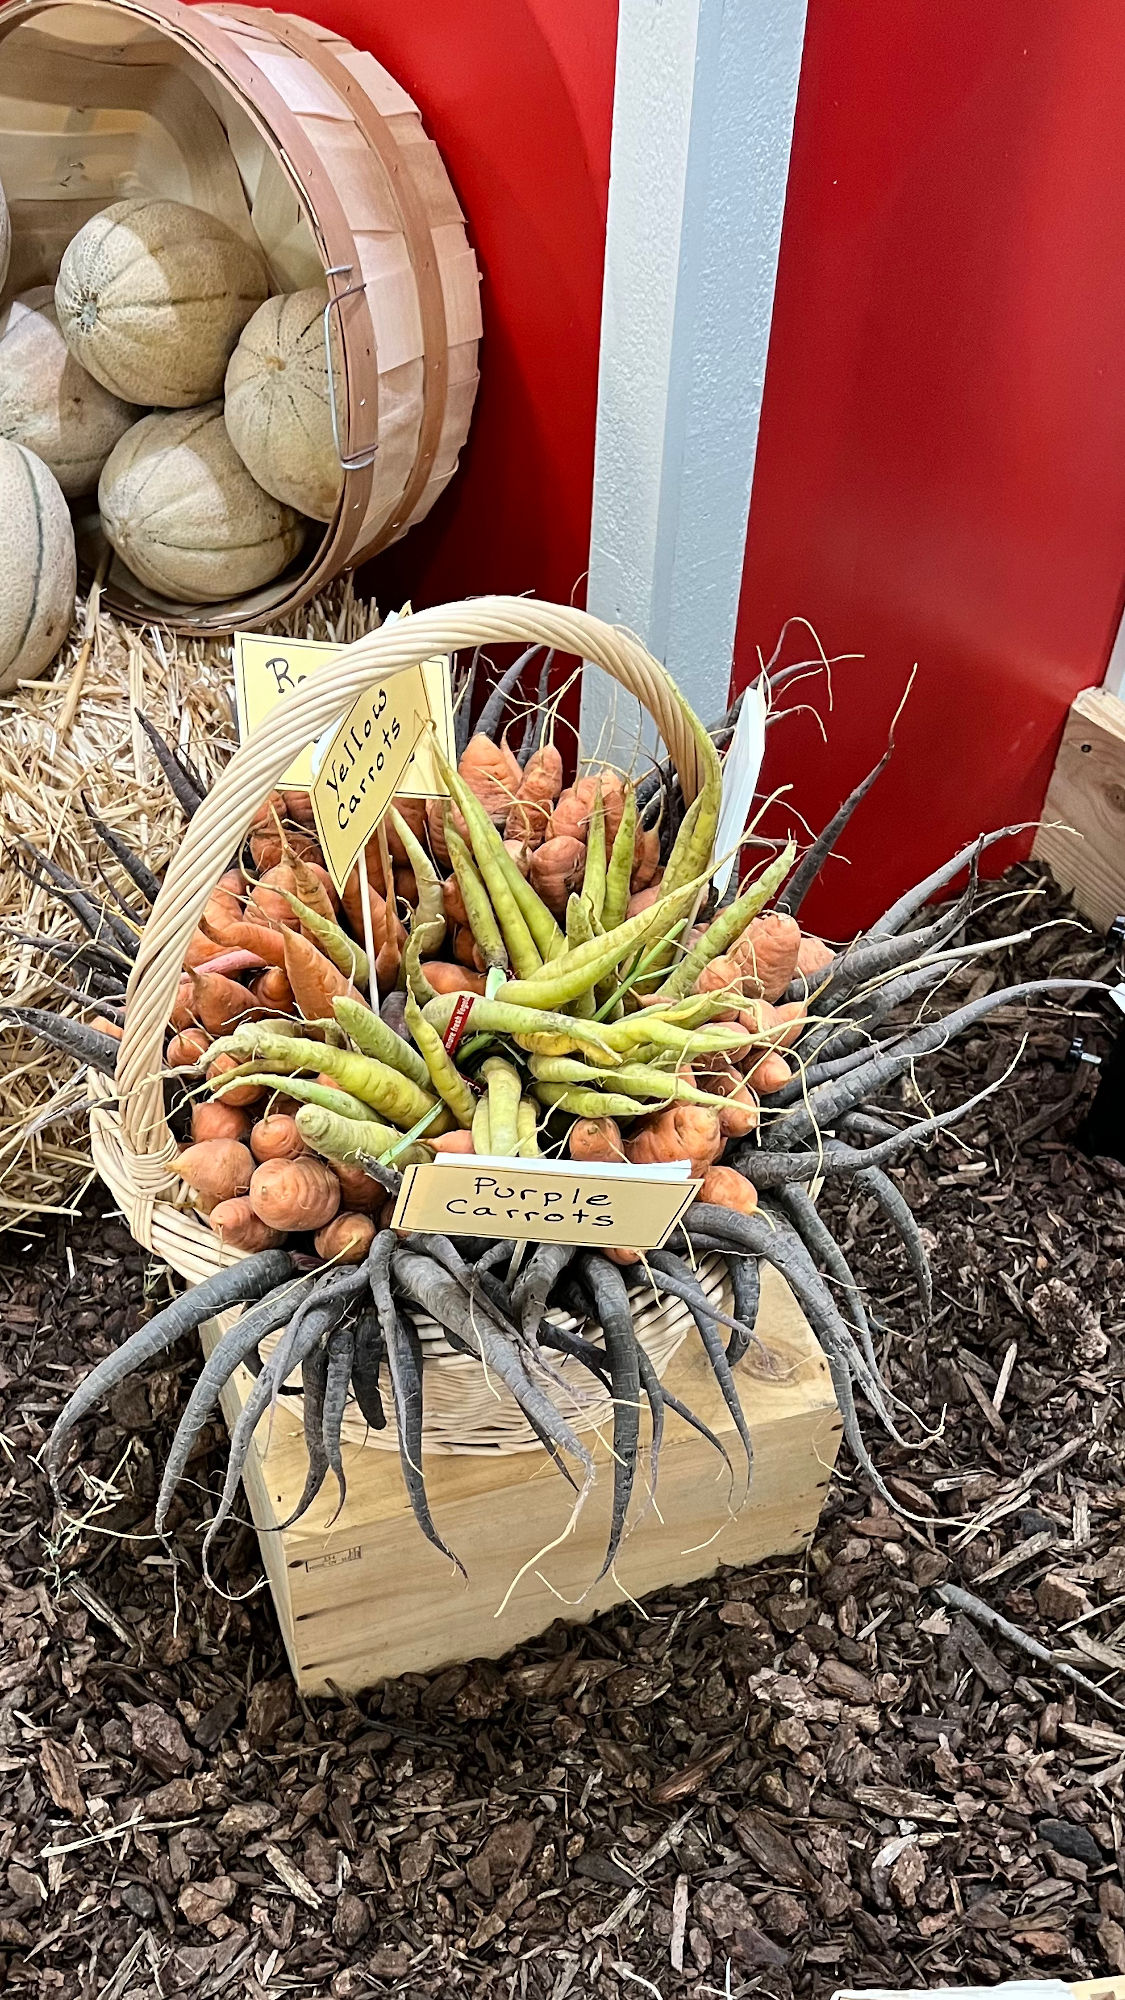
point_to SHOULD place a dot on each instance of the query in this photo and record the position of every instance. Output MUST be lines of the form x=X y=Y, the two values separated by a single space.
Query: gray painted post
x=702 y=128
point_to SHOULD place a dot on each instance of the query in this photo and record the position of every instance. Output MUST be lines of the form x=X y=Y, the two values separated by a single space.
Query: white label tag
x=741 y=767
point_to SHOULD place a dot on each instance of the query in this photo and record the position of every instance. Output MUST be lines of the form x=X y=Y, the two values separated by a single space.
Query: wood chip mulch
x=814 y=1774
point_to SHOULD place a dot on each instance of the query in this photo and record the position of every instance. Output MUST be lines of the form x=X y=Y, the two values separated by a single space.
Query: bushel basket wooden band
x=132 y=1144
x=297 y=141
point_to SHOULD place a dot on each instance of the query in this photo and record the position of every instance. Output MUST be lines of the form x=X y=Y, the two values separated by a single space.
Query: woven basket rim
x=131 y=1141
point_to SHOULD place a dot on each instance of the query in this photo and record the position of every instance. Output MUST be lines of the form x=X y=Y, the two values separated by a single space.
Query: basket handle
x=221 y=824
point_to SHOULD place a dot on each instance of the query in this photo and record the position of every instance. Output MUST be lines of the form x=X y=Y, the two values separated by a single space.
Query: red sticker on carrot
x=458 y=1021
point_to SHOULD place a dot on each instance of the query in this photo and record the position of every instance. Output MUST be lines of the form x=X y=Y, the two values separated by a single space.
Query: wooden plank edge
x=1082 y=835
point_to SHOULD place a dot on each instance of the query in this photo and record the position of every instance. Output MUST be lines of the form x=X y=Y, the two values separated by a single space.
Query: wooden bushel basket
x=464 y=1414
x=301 y=143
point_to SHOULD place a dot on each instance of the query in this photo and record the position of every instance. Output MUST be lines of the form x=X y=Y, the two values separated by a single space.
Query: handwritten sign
x=600 y=1206
x=267 y=669
x=358 y=768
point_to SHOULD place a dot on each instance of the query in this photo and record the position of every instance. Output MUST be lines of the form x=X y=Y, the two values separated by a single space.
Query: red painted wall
x=941 y=465
x=518 y=95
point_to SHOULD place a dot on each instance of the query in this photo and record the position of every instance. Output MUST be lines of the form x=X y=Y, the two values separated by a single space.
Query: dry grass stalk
x=51 y=750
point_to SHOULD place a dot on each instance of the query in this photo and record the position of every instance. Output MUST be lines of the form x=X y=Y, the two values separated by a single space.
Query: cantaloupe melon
x=152 y=296
x=37 y=565
x=181 y=509
x=49 y=402
x=278 y=403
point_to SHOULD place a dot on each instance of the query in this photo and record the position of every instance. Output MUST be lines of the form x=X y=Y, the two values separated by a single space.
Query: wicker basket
x=132 y=1145
x=296 y=140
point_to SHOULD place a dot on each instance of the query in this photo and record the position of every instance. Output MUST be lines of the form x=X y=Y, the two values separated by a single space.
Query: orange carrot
x=596 y=1139
x=540 y=787
x=187 y=1050
x=235 y=1224
x=201 y=947
x=445 y=978
x=740 y=1115
x=646 y=859
x=557 y=868
x=491 y=773
x=771 y=1073
x=453 y=903
x=294 y=1194
x=453 y=1142
x=358 y=1189
x=314 y=979
x=643 y=899
x=723 y=975
x=814 y=956
x=682 y=1132
x=237 y=928
x=216 y=1169
x=779 y=1026
x=267 y=905
x=270 y=844
x=218 y=1121
x=276 y=1138
x=353 y=908
x=521 y=852
x=435 y=829
x=298 y=807
x=240 y=1094
x=466 y=949
x=346 y=1239
x=725 y=1187
x=767 y=952
x=314 y=887
x=272 y=989
x=214 y=1001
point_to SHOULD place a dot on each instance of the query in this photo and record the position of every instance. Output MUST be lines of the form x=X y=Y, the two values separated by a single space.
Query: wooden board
x=1082 y=839
x=366 y=1597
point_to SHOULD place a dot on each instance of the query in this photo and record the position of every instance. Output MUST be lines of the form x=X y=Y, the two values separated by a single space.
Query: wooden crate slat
x=365 y=1597
x=1082 y=839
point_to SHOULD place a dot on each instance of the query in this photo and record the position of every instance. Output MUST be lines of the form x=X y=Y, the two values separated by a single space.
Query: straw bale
x=47 y=759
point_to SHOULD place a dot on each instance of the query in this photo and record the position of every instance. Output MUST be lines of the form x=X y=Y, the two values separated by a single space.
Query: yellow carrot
x=373 y=1037
x=347 y=956
x=504 y=1091
x=500 y=873
x=349 y=1140
x=494 y=1017
x=620 y=867
x=729 y=925
x=527 y=1130
x=482 y=1130
x=478 y=909
x=593 y=880
x=578 y=971
x=443 y=1074
x=386 y=1090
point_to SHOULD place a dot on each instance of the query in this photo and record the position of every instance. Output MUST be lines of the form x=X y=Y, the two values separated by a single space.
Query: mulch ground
x=813 y=1774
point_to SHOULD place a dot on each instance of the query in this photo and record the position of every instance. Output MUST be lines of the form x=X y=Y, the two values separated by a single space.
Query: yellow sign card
x=359 y=768
x=538 y=1201
x=267 y=669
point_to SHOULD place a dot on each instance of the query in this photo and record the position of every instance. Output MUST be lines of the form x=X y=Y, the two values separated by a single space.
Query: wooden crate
x=1082 y=838
x=367 y=1598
